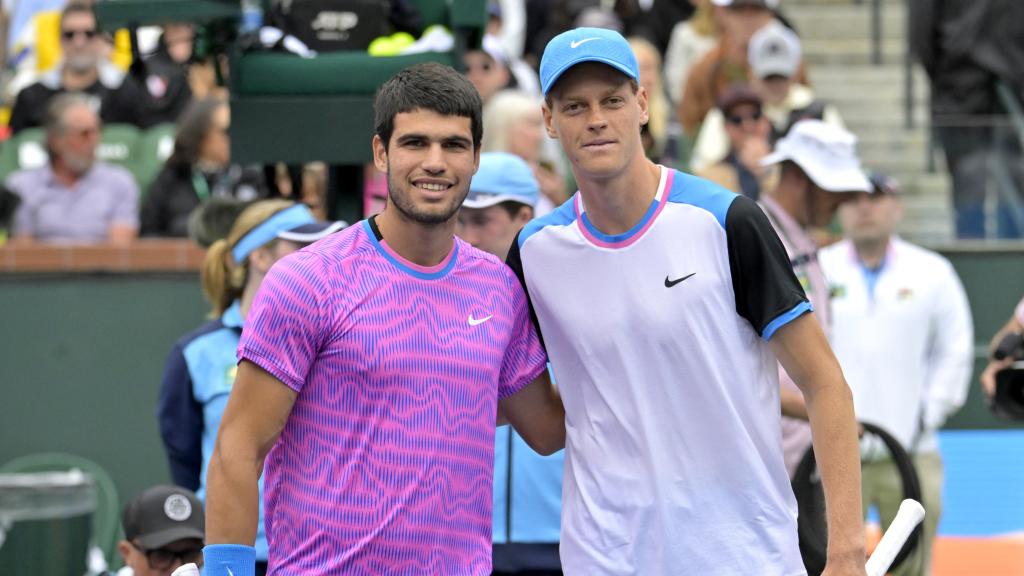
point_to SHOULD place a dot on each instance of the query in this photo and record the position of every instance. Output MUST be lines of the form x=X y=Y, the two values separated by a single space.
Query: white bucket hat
x=826 y=153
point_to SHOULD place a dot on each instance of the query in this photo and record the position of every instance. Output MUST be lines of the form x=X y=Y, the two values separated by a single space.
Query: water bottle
x=252 y=16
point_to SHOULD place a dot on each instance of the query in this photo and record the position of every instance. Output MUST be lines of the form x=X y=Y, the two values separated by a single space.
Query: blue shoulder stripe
x=688 y=189
x=561 y=216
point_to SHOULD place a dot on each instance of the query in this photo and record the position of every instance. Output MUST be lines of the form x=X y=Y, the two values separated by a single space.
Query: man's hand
x=988 y=375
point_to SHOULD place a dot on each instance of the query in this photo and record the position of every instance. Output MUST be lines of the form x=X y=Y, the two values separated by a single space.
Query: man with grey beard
x=74 y=198
x=83 y=69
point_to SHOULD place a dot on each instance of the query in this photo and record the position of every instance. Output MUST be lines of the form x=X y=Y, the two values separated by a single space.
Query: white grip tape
x=909 y=516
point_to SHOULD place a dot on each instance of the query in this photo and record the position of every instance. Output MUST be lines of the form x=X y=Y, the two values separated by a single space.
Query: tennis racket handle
x=909 y=516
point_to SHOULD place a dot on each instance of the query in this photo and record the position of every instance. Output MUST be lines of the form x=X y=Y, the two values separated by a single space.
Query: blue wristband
x=229 y=560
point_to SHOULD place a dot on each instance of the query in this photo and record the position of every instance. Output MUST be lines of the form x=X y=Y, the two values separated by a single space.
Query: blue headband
x=284 y=220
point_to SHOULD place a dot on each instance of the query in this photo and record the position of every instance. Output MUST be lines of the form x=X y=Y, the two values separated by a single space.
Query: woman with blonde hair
x=658 y=111
x=200 y=369
x=515 y=125
x=690 y=41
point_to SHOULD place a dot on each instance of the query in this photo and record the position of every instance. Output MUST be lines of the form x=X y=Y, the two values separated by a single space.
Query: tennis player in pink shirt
x=373 y=365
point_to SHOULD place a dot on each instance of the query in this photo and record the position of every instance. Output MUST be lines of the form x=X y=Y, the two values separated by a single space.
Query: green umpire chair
x=290 y=109
x=106 y=521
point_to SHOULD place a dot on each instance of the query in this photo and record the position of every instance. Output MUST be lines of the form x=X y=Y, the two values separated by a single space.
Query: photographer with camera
x=1006 y=348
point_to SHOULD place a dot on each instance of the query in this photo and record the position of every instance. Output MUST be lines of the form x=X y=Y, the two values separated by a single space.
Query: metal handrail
x=1013 y=108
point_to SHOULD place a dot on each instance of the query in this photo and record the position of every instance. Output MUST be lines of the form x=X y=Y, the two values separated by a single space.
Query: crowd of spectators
x=725 y=79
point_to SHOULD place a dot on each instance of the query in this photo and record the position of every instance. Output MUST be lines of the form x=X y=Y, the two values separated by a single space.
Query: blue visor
x=287 y=219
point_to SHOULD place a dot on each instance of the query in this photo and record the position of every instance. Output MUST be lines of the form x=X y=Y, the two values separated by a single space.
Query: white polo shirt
x=906 y=345
x=658 y=340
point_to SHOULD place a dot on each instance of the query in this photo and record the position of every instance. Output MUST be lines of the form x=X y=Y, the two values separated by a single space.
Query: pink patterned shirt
x=386 y=462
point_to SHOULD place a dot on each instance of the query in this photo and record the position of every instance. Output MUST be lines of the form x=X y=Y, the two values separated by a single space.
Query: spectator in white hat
x=819 y=170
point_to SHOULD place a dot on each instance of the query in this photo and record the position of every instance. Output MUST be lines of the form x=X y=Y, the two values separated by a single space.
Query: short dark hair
x=78 y=8
x=427 y=86
x=513 y=208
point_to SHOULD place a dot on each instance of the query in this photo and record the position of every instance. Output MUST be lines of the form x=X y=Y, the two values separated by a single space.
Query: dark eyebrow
x=458 y=140
x=414 y=137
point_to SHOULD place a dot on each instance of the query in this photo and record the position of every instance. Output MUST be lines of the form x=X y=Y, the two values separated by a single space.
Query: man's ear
x=548 y=126
x=641 y=97
x=124 y=548
x=380 y=154
x=261 y=260
x=524 y=215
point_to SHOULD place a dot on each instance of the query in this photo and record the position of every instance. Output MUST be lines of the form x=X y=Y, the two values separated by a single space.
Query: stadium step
x=836 y=37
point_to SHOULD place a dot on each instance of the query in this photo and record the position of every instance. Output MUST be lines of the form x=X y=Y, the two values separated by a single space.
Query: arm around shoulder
x=537 y=414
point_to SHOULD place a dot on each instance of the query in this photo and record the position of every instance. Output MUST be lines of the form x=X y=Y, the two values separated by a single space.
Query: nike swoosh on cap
x=577 y=43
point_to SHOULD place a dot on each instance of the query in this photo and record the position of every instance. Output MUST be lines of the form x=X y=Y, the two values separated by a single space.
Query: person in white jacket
x=902 y=331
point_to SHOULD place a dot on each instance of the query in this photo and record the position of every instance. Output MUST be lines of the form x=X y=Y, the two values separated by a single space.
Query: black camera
x=1008 y=401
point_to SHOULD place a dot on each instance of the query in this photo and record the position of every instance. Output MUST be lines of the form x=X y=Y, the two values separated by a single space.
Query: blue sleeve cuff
x=785 y=318
x=229 y=560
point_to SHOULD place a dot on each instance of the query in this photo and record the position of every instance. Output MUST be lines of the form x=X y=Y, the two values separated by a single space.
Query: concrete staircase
x=836 y=38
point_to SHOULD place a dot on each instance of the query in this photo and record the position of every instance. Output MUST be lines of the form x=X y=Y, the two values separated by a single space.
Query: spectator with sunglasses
x=775 y=56
x=83 y=69
x=164 y=528
x=749 y=135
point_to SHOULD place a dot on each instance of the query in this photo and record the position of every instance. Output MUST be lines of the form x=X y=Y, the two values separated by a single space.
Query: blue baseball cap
x=502 y=177
x=586 y=45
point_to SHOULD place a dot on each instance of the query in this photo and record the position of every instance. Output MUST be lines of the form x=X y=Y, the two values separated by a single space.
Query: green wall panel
x=80 y=364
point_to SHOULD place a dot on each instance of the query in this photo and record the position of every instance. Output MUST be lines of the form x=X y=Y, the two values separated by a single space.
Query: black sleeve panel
x=762 y=276
x=515 y=262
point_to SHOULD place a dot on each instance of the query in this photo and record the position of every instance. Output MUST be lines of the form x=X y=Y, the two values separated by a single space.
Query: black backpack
x=331 y=25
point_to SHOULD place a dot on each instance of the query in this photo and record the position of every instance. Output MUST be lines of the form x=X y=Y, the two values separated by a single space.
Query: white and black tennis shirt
x=658 y=341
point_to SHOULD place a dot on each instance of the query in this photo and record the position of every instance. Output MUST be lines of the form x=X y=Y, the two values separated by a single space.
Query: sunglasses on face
x=739 y=119
x=70 y=34
x=162 y=558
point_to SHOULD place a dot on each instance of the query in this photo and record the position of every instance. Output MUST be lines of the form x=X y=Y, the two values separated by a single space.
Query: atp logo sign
x=334 y=25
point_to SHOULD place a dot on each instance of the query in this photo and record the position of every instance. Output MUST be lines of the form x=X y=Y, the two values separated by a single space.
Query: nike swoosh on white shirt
x=476 y=322
x=577 y=43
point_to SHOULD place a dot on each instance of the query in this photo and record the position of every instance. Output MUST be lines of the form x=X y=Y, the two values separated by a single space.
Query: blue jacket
x=527 y=491
x=198 y=376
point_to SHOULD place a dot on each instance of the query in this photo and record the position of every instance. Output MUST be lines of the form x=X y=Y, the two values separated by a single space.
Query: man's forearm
x=837 y=452
x=232 y=500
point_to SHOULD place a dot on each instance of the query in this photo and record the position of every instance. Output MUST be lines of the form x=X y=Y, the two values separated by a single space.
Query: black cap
x=883 y=183
x=163 y=514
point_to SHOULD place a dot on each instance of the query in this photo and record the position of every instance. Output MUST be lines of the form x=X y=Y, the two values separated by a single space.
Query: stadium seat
x=118 y=146
x=106 y=524
x=285 y=108
x=26 y=149
x=154 y=147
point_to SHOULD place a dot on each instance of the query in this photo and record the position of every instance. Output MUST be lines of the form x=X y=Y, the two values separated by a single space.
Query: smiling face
x=429 y=161
x=596 y=112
